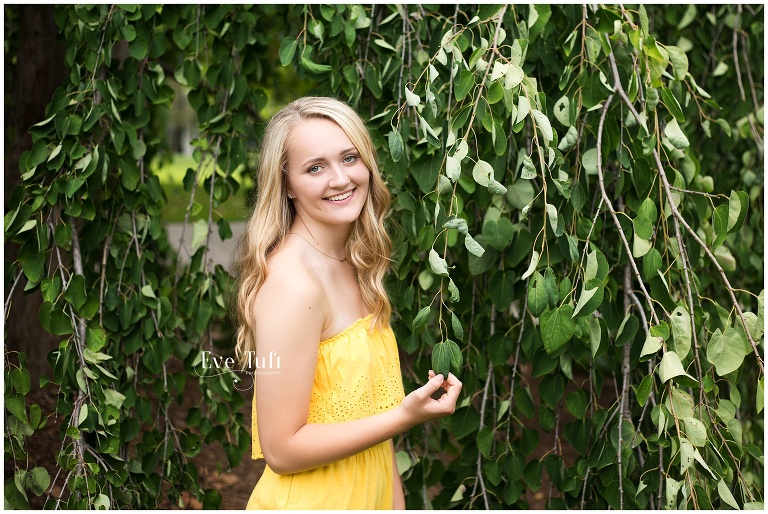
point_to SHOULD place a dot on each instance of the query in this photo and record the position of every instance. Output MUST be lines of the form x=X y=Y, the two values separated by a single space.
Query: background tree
x=579 y=221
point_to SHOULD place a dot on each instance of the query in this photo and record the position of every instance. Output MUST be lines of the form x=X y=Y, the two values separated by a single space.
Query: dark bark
x=38 y=71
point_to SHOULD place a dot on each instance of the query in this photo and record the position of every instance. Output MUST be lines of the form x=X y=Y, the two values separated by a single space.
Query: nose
x=338 y=177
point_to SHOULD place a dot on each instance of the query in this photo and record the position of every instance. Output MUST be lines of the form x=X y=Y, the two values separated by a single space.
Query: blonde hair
x=369 y=247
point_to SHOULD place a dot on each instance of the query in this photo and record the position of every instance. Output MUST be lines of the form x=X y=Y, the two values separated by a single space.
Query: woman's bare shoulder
x=290 y=287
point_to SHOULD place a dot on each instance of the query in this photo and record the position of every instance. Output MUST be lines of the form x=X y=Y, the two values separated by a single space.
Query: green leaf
x=742 y=199
x=551 y=215
x=404 y=462
x=396 y=147
x=738 y=202
x=464 y=84
x=482 y=172
x=720 y=221
x=671 y=367
x=759 y=393
x=148 y=292
x=550 y=286
x=528 y=171
x=95 y=338
x=591 y=297
x=458 y=330
x=199 y=234
x=672 y=488
x=652 y=345
x=459 y=224
x=437 y=263
x=485 y=440
x=577 y=403
x=569 y=140
x=473 y=246
x=514 y=76
x=686 y=455
x=562 y=110
x=499 y=233
x=112 y=397
x=679 y=61
x=695 y=431
x=452 y=168
x=38 y=480
x=520 y=194
x=543 y=124
x=725 y=494
x=676 y=135
x=456 y=357
x=421 y=317
x=532 y=265
x=640 y=246
x=551 y=389
x=411 y=98
x=523 y=108
x=502 y=290
x=441 y=359
x=314 y=67
x=496 y=188
x=644 y=390
x=557 y=327
x=537 y=294
x=672 y=104
x=589 y=161
x=454 y=292
x=680 y=322
x=139 y=48
x=75 y=293
x=726 y=350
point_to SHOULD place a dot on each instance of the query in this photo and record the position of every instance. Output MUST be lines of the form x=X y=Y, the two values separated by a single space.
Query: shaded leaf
x=726 y=350
x=557 y=327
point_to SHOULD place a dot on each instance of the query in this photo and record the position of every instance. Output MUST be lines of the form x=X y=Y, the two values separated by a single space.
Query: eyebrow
x=345 y=151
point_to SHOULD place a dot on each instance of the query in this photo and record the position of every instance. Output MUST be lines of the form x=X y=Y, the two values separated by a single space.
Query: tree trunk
x=38 y=71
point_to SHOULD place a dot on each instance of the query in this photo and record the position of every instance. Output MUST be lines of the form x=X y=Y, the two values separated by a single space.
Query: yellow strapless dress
x=358 y=375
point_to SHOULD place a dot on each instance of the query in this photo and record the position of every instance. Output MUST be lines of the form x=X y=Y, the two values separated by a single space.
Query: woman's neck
x=331 y=240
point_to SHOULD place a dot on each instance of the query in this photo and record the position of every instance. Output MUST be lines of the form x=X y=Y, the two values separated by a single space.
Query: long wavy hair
x=369 y=247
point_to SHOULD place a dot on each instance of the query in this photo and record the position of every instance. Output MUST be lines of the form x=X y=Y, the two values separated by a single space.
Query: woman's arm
x=290 y=312
x=397 y=484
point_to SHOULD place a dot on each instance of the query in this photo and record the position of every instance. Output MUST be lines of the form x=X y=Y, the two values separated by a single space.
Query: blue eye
x=350 y=159
x=314 y=169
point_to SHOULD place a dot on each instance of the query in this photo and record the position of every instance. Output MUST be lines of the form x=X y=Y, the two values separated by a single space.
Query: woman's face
x=326 y=175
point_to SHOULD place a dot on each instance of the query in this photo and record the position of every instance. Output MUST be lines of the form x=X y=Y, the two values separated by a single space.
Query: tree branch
x=620 y=90
x=613 y=212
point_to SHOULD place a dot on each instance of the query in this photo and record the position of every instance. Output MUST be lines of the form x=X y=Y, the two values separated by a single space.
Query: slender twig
x=479 y=466
x=102 y=280
x=625 y=370
x=736 y=51
x=750 y=119
x=517 y=359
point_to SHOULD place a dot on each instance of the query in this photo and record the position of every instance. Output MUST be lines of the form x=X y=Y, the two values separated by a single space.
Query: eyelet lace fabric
x=357 y=375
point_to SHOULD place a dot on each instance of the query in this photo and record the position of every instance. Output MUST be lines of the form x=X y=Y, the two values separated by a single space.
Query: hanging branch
x=620 y=90
x=612 y=212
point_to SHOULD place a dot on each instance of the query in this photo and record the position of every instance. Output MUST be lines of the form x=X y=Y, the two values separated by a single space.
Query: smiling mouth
x=339 y=198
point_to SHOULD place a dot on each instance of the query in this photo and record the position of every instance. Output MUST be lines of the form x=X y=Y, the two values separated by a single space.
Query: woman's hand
x=421 y=406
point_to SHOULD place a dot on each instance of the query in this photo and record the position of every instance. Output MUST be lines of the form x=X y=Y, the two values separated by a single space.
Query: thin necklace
x=318 y=249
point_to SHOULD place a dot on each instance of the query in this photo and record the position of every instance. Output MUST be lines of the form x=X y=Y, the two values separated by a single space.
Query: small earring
x=290 y=197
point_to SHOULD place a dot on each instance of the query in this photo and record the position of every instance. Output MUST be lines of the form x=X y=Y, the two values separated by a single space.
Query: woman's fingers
x=434 y=383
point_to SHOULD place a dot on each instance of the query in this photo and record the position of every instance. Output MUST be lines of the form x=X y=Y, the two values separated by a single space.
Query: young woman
x=311 y=268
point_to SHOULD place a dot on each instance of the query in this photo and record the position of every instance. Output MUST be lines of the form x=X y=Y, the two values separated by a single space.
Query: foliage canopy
x=579 y=221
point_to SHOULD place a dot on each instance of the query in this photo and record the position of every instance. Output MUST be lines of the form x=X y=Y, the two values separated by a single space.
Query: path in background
x=222 y=252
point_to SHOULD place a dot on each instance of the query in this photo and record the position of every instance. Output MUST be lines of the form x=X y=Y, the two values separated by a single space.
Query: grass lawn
x=171 y=175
